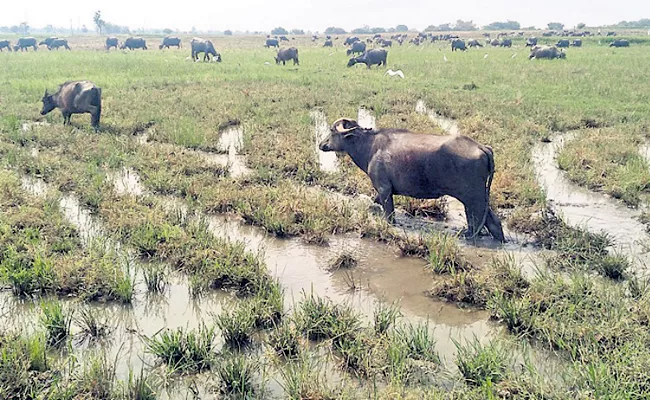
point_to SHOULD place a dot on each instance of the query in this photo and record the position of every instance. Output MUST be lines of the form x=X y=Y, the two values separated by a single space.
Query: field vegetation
x=586 y=307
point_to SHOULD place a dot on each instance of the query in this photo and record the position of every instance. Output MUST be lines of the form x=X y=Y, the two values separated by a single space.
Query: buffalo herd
x=356 y=48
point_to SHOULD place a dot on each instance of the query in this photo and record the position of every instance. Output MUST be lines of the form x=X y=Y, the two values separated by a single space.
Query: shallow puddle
x=449 y=125
x=326 y=159
x=579 y=207
x=126 y=181
x=26 y=126
x=366 y=119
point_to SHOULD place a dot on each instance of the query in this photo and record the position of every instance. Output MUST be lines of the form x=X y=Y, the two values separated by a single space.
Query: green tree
x=401 y=28
x=24 y=28
x=555 y=26
x=227 y=32
x=99 y=22
x=297 y=32
x=503 y=26
x=334 y=31
x=465 y=25
x=279 y=31
x=581 y=25
x=167 y=31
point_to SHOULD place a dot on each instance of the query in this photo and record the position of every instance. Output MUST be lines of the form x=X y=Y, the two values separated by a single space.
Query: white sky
x=316 y=15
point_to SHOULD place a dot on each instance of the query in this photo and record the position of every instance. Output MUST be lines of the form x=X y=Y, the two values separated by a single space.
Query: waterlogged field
x=200 y=246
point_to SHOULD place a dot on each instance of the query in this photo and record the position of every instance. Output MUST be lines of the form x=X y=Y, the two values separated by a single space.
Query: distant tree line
x=503 y=26
x=640 y=24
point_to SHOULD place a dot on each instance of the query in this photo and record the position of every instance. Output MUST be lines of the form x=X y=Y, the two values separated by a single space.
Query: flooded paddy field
x=201 y=245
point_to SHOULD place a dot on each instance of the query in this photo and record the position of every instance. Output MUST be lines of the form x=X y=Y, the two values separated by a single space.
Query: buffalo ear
x=46 y=94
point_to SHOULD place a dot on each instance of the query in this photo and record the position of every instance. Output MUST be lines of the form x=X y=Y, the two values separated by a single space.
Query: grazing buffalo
x=564 y=43
x=400 y=162
x=620 y=43
x=474 y=43
x=56 y=43
x=285 y=55
x=372 y=57
x=350 y=40
x=170 y=41
x=75 y=97
x=611 y=33
x=458 y=44
x=5 y=44
x=495 y=42
x=23 y=44
x=272 y=43
x=506 y=43
x=111 y=42
x=46 y=42
x=531 y=42
x=577 y=43
x=134 y=43
x=206 y=47
x=386 y=43
x=284 y=39
x=328 y=43
x=546 y=52
x=357 y=48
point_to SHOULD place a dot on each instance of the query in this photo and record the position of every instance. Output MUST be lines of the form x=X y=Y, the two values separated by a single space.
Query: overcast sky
x=263 y=15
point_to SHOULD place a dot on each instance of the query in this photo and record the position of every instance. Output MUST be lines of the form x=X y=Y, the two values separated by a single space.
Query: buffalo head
x=48 y=103
x=339 y=132
x=352 y=62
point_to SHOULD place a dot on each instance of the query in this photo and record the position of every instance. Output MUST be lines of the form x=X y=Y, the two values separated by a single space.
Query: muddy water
x=366 y=119
x=327 y=160
x=449 y=125
x=592 y=211
x=126 y=182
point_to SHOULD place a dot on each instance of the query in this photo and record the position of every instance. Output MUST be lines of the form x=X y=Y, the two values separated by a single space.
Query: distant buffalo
x=111 y=42
x=577 y=43
x=564 y=43
x=546 y=52
x=531 y=42
x=134 y=43
x=386 y=43
x=285 y=55
x=474 y=43
x=458 y=44
x=620 y=43
x=506 y=43
x=206 y=47
x=46 y=42
x=284 y=38
x=350 y=40
x=56 y=43
x=5 y=44
x=23 y=44
x=272 y=43
x=373 y=57
x=357 y=48
x=328 y=43
x=495 y=43
x=170 y=41
x=611 y=33
x=76 y=97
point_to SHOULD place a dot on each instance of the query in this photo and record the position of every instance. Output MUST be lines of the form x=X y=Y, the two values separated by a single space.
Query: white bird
x=444 y=57
x=485 y=56
x=267 y=63
x=514 y=55
x=188 y=58
x=399 y=73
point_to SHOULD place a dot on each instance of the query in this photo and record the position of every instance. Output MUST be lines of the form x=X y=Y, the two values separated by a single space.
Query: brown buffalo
x=75 y=97
x=421 y=166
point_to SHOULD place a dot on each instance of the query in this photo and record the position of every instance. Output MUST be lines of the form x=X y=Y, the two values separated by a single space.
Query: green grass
x=56 y=321
x=236 y=374
x=481 y=364
x=184 y=351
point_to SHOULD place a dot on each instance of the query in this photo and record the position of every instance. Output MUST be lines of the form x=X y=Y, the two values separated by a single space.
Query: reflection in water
x=366 y=119
x=449 y=125
x=582 y=208
x=327 y=160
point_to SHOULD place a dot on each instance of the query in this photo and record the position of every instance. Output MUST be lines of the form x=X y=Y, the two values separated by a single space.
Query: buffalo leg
x=475 y=209
x=66 y=118
x=494 y=226
x=95 y=115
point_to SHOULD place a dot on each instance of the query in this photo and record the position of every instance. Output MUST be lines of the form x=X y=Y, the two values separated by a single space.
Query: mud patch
x=449 y=125
x=588 y=210
x=126 y=181
x=326 y=159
